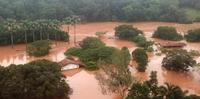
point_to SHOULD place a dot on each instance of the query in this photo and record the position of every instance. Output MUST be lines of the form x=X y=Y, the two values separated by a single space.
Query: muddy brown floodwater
x=83 y=82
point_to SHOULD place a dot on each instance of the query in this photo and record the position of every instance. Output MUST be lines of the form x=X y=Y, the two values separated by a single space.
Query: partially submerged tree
x=142 y=41
x=116 y=77
x=39 y=48
x=91 y=42
x=167 y=33
x=127 y=32
x=141 y=57
x=193 y=35
x=178 y=60
x=91 y=56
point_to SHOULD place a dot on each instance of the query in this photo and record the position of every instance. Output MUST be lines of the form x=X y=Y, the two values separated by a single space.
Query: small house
x=69 y=64
x=172 y=44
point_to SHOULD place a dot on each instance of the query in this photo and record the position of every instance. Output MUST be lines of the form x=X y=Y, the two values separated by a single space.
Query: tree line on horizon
x=100 y=10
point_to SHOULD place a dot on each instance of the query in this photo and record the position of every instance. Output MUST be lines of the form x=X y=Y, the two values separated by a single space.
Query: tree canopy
x=167 y=33
x=141 y=57
x=39 y=79
x=91 y=43
x=92 y=50
x=151 y=90
x=178 y=60
x=116 y=76
x=99 y=10
x=14 y=32
x=39 y=48
x=127 y=32
x=193 y=35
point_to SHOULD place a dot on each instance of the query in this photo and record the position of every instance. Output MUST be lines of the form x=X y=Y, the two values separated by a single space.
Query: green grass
x=192 y=13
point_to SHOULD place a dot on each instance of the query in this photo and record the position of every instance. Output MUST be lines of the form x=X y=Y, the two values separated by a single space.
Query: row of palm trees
x=72 y=20
x=30 y=31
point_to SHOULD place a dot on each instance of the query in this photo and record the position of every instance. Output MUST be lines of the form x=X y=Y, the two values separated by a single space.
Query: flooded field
x=84 y=84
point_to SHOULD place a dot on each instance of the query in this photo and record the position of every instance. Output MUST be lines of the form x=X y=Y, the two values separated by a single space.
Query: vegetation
x=92 y=51
x=127 y=32
x=178 y=60
x=13 y=32
x=150 y=90
x=40 y=79
x=100 y=34
x=91 y=56
x=39 y=48
x=193 y=35
x=133 y=34
x=99 y=10
x=91 y=43
x=142 y=41
x=116 y=77
x=167 y=33
x=141 y=57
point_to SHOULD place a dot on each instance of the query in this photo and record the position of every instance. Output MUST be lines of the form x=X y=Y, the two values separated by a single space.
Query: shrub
x=39 y=48
x=91 y=42
x=167 y=33
x=193 y=35
x=194 y=53
x=104 y=53
x=141 y=41
x=100 y=34
x=39 y=79
x=73 y=51
x=141 y=57
x=91 y=56
x=178 y=60
x=127 y=32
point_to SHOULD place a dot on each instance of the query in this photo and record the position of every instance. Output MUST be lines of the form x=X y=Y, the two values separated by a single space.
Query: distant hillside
x=183 y=11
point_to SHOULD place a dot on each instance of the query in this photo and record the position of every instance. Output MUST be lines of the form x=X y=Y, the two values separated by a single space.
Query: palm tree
x=172 y=91
x=25 y=26
x=68 y=22
x=32 y=28
x=47 y=26
x=39 y=26
x=11 y=26
x=55 y=25
x=75 y=19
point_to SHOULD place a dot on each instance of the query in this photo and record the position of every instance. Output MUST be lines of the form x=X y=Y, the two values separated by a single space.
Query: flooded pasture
x=83 y=82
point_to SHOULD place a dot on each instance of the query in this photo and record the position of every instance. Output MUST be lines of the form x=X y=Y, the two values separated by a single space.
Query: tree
x=126 y=32
x=193 y=35
x=178 y=60
x=116 y=77
x=74 y=20
x=91 y=42
x=142 y=41
x=91 y=56
x=92 y=10
x=141 y=57
x=39 y=48
x=167 y=33
x=150 y=90
x=39 y=79
x=25 y=27
x=11 y=26
x=30 y=31
x=68 y=22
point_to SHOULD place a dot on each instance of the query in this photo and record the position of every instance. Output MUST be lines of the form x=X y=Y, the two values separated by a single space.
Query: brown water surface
x=84 y=84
